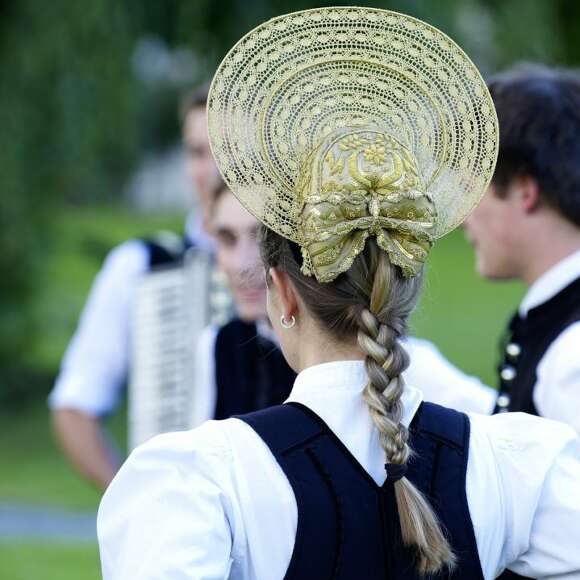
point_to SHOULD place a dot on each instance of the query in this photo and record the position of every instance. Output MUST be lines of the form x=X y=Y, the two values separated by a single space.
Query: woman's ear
x=284 y=288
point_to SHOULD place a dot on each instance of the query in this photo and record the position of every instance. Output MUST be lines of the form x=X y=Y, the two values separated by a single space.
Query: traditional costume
x=331 y=126
x=540 y=370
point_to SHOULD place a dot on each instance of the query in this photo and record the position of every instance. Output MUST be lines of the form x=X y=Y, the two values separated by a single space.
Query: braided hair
x=370 y=304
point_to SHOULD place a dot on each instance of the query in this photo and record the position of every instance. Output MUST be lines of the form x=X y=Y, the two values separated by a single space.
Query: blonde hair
x=372 y=302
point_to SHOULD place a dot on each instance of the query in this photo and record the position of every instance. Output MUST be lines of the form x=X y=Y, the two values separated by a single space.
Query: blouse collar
x=342 y=377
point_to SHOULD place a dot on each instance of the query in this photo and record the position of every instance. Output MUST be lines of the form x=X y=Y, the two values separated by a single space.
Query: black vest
x=348 y=526
x=251 y=372
x=526 y=342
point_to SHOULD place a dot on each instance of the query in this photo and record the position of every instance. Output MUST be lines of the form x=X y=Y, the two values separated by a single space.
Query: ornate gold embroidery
x=377 y=192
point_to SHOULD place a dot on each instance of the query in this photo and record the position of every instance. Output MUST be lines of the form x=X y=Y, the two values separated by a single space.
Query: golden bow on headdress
x=357 y=184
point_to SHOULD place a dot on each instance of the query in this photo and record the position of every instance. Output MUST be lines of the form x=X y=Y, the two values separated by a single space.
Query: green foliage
x=85 y=236
x=75 y=118
x=67 y=112
x=49 y=561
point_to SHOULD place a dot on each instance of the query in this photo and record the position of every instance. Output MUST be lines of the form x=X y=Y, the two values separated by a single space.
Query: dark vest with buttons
x=251 y=372
x=348 y=526
x=526 y=342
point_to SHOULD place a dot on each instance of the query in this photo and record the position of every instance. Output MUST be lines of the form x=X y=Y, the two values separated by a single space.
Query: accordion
x=174 y=303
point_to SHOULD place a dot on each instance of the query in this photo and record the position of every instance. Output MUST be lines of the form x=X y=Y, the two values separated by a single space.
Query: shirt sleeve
x=557 y=388
x=96 y=362
x=443 y=383
x=538 y=462
x=167 y=513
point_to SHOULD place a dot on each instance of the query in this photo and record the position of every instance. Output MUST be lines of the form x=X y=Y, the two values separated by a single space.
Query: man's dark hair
x=194 y=99
x=539 y=125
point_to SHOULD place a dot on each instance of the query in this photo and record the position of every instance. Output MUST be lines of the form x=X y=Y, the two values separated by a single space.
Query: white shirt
x=557 y=390
x=438 y=379
x=213 y=503
x=95 y=366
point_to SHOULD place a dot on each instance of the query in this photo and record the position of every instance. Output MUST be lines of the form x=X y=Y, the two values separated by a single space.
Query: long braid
x=372 y=302
x=385 y=361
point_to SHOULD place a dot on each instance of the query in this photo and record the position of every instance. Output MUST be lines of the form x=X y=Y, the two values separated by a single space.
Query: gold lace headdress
x=336 y=124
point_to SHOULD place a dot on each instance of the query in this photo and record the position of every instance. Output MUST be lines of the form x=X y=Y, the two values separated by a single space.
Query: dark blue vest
x=348 y=527
x=527 y=341
x=251 y=372
x=163 y=255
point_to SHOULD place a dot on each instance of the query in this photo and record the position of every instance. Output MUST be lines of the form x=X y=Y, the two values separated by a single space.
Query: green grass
x=49 y=561
x=460 y=312
x=33 y=468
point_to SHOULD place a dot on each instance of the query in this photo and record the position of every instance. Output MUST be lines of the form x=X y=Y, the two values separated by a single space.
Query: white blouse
x=213 y=503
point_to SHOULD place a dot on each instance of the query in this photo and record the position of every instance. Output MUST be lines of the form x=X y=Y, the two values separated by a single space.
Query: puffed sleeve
x=539 y=465
x=167 y=513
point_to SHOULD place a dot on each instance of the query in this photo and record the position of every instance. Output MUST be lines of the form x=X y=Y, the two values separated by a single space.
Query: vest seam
x=311 y=452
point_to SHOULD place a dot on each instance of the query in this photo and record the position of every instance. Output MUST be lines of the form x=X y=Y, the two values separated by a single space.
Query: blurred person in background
x=527 y=228
x=239 y=367
x=96 y=364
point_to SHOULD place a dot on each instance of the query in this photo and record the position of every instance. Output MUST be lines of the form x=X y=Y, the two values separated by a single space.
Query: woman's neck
x=317 y=348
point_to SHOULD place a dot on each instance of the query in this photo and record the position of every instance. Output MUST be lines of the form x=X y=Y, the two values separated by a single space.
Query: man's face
x=201 y=166
x=238 y=255
x=492 y=228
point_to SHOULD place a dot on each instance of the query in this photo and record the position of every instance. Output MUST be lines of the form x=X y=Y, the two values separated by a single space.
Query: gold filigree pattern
x=296 y=81
x=356 y=184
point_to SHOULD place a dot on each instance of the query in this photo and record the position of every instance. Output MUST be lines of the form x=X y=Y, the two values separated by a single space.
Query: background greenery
x=81 y=102
x=49 y=561
x=80 y=106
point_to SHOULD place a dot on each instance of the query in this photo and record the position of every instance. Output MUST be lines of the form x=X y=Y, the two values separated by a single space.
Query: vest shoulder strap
x=447 y=425
x=284 y=427
x=165 y=248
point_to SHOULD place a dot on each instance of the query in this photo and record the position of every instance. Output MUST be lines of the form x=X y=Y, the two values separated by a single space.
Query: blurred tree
x=67 y=113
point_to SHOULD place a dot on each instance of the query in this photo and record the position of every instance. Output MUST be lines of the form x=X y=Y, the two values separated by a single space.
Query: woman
x=357 y=137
